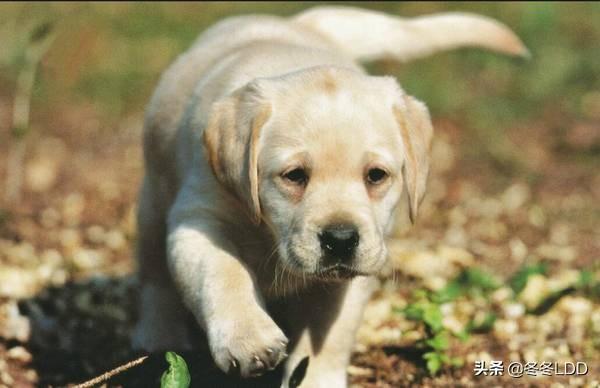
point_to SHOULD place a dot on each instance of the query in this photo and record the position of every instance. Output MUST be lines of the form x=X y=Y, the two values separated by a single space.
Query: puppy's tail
x=367 y=35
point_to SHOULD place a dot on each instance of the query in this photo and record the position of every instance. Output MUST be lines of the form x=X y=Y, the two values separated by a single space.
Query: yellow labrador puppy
x=274 y=165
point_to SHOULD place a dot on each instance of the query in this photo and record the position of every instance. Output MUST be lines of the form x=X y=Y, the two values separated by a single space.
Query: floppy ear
x=231 y=144
x=416 y=132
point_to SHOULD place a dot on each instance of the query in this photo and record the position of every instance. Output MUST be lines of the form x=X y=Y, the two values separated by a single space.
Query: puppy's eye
x=298 y=176
x=376 y=176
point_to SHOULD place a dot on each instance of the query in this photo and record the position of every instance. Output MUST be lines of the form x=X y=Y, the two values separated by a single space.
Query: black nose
x=339 y=240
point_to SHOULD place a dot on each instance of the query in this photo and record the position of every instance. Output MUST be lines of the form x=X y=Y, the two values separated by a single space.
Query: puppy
x=274 y=167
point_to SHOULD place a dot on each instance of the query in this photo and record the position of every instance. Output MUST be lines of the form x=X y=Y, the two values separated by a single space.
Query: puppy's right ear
x=231 y=143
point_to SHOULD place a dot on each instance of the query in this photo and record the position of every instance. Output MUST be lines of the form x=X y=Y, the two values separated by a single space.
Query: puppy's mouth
x=329 y=272
x=339 y=272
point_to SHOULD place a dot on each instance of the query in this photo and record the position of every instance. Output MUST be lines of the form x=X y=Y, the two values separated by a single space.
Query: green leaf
x=439 y=341
x=519 y=279
x=432 y=316
x=420 y=294
x=177 y=376
x=457 y=362
x=589 y=284
x=463 y=335
x=477 y=278
x=434 y=362
x=451 y=291
x=413 y=312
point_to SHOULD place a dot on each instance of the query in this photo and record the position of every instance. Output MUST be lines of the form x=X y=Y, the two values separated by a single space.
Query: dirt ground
x=67 y=294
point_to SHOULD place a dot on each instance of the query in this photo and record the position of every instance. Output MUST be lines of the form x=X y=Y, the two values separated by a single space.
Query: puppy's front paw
x=250 y=345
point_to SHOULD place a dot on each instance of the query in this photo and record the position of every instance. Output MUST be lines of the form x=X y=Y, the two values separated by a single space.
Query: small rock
x=87 y=258
x=12 y=323
x=7 y=379
x=557 y=252
x=451 y=323
x=19 y=353
x=535 y=291
x=17 y=282
x=41 y=174
x=114 y=239
x=95 y=234
x=536 y=216
x=515 y=196
x=575 y=306
x=50 y=218
x=505 y=328
x=502 y=294
x=560 y=234
x=72 y=210
x=70 y=239
x=514 y=310
x=359 y=372
x=518 y=249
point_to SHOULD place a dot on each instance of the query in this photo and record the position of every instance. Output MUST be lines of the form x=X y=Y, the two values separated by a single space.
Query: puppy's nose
x=339 y=240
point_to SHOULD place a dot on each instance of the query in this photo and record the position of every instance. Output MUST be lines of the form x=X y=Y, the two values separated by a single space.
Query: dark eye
x=376 y=176
x=297 y=176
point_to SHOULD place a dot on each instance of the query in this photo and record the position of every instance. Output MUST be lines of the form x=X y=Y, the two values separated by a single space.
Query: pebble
x=502 y=294
x=41 y=174
x=560 y=234
x=453 y=324
x=513 y=310
x=6 y=378
x=72 y=209
x=456 y=236
x=95 y=234
x=115 y=239
x=19 y=353
x=557 y=252
x=13 y=324
x=50 y=218
x=515 y=196
x=359 y=372
x=518 y=249
x=70 y=239
x=87 y=258
x=16 y=282
x=536 y=216
x=505 y=328
x=534 y=292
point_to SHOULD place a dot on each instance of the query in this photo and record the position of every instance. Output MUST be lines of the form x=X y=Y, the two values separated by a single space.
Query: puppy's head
x=322 y=157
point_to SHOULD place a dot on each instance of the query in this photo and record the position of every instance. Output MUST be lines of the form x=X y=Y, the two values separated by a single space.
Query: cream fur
x=226 y=237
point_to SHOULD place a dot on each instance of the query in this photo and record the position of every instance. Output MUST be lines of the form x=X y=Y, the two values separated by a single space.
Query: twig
x=108 y=375
x=39 y=43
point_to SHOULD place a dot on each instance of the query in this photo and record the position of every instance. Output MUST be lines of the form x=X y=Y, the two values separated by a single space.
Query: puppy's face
x=332 y=156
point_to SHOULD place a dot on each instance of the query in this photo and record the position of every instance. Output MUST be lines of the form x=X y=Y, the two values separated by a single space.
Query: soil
x=68 y=294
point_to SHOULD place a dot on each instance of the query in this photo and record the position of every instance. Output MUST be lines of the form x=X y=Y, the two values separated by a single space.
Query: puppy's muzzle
x=338 y=244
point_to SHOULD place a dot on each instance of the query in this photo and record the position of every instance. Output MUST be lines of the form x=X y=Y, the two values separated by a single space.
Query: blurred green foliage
x=110 y=55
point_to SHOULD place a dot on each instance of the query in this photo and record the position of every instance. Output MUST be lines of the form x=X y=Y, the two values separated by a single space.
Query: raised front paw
x=249 y=346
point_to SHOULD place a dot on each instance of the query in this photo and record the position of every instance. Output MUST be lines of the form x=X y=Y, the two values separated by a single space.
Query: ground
x=68 y=294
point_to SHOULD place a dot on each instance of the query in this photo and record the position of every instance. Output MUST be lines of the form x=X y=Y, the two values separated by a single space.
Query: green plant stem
x=20 y=120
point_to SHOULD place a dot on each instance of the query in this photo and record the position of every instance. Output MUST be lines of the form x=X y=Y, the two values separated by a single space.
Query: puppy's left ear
x=231 y=142
x=416 y=131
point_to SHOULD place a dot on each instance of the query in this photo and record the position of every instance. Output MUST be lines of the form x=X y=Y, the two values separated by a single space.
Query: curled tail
x=367 y=35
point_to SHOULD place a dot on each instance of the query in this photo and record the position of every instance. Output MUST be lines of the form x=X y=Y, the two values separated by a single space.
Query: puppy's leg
x=221 y=292
x=323 y=325
x=161 y=324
